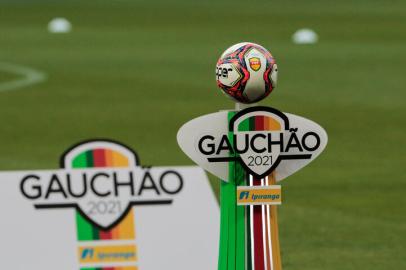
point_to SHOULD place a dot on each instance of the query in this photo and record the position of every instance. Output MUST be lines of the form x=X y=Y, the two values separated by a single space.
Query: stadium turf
x=135 y=71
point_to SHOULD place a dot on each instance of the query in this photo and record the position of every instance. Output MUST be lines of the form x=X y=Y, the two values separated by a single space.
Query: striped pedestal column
x=248 y=234
x=120 y=236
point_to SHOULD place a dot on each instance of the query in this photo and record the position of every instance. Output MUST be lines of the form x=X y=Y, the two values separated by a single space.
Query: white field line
x=28 y=76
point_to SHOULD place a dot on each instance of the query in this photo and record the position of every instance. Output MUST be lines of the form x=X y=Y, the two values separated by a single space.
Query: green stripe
x=89 y=158
x=244 y=125
x=84 y=228
x=96 y=233
x=232 y=207
x=247 y=124
x=80 y=161
x=227 y=239
x=240 y=221
x=240 y=176
x=252 y=124
x=248 y=232
x=232 y=216
x=232 y=228
x=222 y=265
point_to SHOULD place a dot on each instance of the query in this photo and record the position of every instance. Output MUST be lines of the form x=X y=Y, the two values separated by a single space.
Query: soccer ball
x=246 y=72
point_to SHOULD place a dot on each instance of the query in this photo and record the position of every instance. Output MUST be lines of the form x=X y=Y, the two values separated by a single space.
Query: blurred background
x=135 y=71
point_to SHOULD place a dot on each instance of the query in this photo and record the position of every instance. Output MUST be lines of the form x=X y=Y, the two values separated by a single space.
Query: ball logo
x=227 y=74
x=255 y=63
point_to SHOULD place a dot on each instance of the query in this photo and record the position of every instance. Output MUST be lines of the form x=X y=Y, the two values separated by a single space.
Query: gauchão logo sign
x=97 y=179
x=261 y=138
x=103 y=210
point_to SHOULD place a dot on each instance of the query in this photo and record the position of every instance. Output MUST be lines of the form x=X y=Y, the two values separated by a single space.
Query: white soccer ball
x=246 y=72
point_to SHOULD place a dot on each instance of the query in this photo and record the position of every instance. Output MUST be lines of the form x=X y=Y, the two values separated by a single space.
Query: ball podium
x=251 y=149
x=248 y=233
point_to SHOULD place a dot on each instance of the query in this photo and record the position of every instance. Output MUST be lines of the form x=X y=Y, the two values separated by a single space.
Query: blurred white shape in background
x=59 y=25
x=305 y=36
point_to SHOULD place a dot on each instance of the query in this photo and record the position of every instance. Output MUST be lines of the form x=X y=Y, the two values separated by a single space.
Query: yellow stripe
x=127 y=227
x=267 y=221
x=125 y=230
x=273 y=124
x=119 y=160
x=276 y=253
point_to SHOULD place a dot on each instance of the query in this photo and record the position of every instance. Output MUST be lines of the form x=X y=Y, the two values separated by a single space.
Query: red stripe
x=258 y=237
x=108 y=268
x=99 y=158
x=105 y=235
x=259 y=123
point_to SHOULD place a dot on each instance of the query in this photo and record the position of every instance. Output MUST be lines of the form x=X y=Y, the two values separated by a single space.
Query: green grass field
x=135 y=71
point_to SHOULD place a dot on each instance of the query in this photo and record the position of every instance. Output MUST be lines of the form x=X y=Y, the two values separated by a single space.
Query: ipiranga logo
x=259 y=195
x=107 y=254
